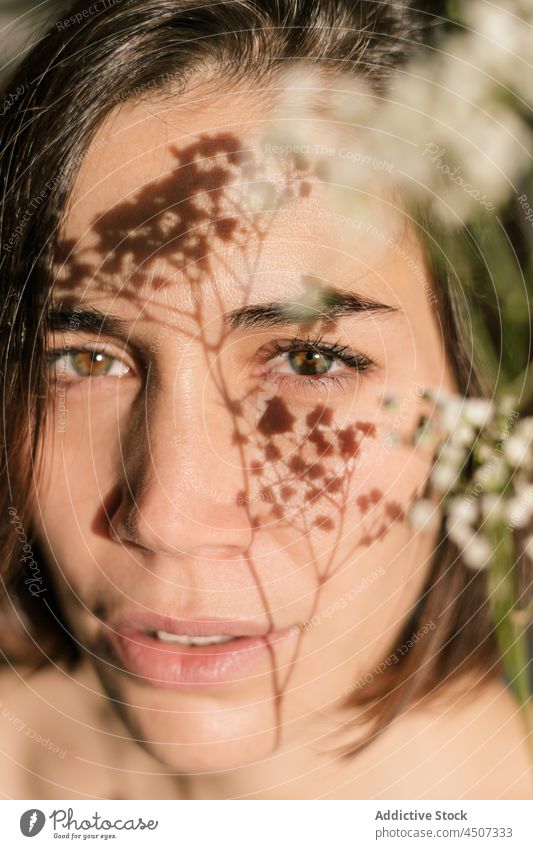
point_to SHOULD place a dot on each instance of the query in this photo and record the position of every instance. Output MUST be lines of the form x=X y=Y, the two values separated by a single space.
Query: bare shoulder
x=60 y=739
x=474 y=744
x=27 y=723
x=468 y=742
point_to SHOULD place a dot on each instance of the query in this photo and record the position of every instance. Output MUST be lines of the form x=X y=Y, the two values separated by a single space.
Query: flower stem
x=522 y=387
x=511 y=633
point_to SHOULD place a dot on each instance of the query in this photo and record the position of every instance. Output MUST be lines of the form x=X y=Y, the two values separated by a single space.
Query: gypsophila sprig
x=453 y=131
x=482 y=480
x=483 y=472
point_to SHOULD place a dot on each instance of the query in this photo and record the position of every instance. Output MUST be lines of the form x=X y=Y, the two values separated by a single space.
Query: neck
x=310 y=766
x=307 y=766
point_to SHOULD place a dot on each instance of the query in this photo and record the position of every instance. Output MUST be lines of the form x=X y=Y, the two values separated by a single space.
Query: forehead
x=141 y=143
x=178 y=190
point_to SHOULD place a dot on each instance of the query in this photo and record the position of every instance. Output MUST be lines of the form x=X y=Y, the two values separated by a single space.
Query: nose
x=182 y=484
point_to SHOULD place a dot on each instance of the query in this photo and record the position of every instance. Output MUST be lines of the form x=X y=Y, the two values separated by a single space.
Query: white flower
x=520 y=508
x=463 y=510
x=524 y=491
x=524 y=428
x=517 y=514
x=443 y=477
x=353 y=101
x=477 y=553
x=452 y=412
x=459 y=532
x=477 y=411
x=392 y=437
x=464 y=434
x=422 y=515
x=515 y=449
x=453 y=455
x=501 y=29
x=311 y=303
x=260 y=196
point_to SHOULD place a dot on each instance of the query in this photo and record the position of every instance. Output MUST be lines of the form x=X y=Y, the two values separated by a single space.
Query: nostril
x=122 y=517
x=122 y=529
x=106 y=522
x=164 y=511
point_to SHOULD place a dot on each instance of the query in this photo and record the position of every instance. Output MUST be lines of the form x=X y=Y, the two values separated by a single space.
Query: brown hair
x=70 y=82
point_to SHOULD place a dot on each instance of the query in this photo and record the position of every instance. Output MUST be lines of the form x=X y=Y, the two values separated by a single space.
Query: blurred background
x=21 y=25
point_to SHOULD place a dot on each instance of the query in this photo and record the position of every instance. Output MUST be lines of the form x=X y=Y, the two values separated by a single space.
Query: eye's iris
x=91 y=363
x=310 y=362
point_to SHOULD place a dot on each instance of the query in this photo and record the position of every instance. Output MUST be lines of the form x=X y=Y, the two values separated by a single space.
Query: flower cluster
x=483 y=472
x=452 y=132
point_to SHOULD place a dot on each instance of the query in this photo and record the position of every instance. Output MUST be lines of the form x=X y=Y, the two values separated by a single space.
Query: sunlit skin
x=210 y=468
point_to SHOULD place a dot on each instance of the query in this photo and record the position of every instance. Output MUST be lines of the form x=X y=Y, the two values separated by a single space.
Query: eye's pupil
x=91 y=363
x=310 y=362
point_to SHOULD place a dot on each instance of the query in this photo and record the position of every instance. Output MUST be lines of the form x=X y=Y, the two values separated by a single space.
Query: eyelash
x=357 y=362
x=55 y=354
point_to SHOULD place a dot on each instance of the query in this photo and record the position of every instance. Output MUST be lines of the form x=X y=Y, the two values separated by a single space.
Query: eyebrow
x=335 y=304
x=89 y=320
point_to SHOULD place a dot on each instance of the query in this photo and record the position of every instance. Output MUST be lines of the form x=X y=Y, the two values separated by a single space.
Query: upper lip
x=204 y=627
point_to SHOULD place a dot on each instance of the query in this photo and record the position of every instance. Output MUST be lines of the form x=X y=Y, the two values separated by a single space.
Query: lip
x=178 y=667
x=201 y=627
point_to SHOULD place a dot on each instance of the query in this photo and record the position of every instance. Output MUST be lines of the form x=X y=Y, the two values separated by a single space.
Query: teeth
x=186 y=640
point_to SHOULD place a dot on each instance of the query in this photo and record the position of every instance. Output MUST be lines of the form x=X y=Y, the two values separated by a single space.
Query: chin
x=203 y=754
x=195 y=732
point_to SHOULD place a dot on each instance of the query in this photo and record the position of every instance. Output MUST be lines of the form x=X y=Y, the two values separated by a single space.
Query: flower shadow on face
x=184 y=218
x=297 y=465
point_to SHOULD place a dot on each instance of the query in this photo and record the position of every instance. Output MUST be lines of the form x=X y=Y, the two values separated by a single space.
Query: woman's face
x=222 y=500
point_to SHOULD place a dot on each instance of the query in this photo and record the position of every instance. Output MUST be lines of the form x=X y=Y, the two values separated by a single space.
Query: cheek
x=76 y=464
x=340 y=486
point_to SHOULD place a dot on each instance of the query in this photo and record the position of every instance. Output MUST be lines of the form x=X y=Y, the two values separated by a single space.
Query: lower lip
x=178 y=667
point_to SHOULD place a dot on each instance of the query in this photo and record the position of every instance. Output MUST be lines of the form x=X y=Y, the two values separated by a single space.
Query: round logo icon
x=32 y=822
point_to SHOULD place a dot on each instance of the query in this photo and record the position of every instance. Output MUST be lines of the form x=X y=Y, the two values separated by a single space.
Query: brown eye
x=91 y=363
x=69 y=364
x=310 y=362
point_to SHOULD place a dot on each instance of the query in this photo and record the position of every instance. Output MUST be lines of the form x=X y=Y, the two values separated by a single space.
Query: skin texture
x=212 y=481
